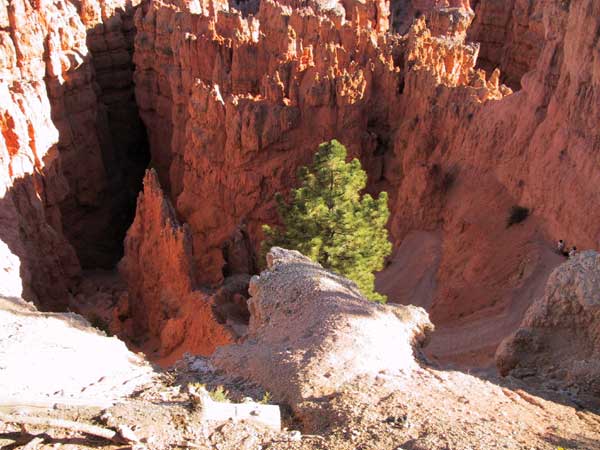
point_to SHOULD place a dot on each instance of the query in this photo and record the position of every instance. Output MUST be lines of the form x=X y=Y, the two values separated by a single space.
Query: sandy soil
x=469 y=342
x=428 y=409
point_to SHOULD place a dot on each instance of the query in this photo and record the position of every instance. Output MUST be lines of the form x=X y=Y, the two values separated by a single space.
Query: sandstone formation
x=311 y=332
x=559 y=338
x=242 y=102
x=32 y=183
x=162 y=301
x=102 y=121
x=511 y=34
x=459 y=109
x=403 y=12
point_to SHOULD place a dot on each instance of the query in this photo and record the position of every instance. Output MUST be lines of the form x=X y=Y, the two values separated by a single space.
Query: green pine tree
x=330 y=222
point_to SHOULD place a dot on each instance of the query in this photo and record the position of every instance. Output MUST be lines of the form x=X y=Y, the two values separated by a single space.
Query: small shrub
x=266 y=399
x=517 y=215
x=220 y=394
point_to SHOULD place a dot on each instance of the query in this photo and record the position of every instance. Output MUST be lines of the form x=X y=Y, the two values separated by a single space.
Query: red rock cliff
x=158 y=268
x=235 y=104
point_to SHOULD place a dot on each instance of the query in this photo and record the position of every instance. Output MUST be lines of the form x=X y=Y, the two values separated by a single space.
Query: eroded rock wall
x=235 y=101
x=520 y=149
x=41 y=45
x=162 y=301
x=66 y=185
x=236 y=104
x=511 y=34
x=104 y=128
x=244 y=102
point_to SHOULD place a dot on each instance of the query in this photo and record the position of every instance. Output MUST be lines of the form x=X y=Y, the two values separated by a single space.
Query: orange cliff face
x=38 y=44
x=158 y=269
x=234 y=105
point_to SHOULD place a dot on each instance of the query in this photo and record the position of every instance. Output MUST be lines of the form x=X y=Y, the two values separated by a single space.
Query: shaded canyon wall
x=71 y=144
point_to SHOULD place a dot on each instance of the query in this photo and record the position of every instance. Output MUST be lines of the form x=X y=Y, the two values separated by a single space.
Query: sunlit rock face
x=162 y=301
x=234 y=105
x=311 y=332
x=404 y=12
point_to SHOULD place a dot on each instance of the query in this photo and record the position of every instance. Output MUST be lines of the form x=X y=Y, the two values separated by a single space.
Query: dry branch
x=33 y=444
x=111 y=435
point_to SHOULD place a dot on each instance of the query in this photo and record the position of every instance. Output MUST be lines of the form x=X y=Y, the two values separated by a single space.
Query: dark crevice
x=95 y=219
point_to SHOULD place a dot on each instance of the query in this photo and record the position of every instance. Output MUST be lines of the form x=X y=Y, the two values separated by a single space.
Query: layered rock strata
x=39 y=43
x=64 y=195
x=511 y=34
x=236 y=104
x=236 y=100
x=103 y=126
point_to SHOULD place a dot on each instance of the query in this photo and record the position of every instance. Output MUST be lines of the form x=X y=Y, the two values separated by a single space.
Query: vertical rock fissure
x=96 y=219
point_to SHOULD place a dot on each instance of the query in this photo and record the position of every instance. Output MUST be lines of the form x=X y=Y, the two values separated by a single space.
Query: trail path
x=471 y=341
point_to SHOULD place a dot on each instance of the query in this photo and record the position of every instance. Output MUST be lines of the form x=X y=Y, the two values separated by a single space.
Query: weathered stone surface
x=65 y=186
x=511 y=34
x=234 y=105
x=311 y=332
x=50 y=358
x=404 y=12
x=32 y=183
x=559 y=338
x=236 y=102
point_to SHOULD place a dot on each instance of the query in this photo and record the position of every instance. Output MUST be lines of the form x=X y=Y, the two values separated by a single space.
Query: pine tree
x=329 y=221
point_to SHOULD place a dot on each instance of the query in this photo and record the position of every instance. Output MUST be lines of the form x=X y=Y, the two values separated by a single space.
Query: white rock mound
x=58 y=358
x=311 y=331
